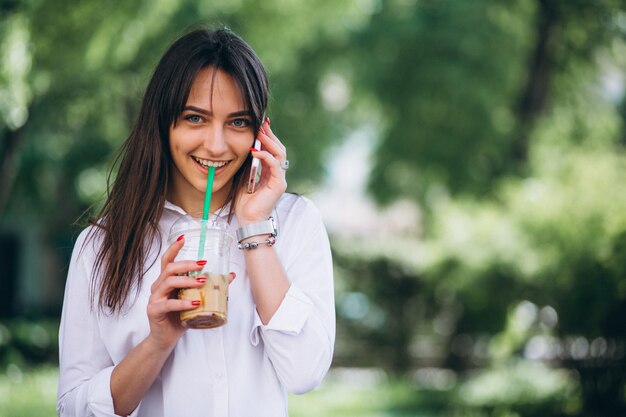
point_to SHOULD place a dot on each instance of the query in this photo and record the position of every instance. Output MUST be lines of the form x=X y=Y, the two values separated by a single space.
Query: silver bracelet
x=253 y=245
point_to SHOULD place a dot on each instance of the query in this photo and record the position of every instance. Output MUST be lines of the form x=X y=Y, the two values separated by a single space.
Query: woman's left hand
x=258 y=206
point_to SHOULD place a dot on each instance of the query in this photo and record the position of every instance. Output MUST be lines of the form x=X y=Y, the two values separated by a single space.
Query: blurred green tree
x=462 y=83
x=505 y=112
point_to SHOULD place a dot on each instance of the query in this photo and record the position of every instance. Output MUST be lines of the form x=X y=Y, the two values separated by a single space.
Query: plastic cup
x=213 y=309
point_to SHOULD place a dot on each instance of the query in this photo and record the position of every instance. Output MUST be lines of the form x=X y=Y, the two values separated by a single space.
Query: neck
x=192 y=201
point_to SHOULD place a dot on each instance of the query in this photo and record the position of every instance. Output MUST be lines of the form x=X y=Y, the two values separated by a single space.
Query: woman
x=123 y=350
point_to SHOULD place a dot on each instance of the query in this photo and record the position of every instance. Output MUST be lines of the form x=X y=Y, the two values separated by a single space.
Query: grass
x=360 y=393
x=28 y=394
x=344 y=401
x=344 y=393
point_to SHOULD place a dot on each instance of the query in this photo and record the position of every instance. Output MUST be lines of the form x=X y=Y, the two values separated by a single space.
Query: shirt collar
x=222 y=212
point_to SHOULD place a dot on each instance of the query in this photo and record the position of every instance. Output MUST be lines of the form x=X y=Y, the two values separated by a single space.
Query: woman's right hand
x=163 y=306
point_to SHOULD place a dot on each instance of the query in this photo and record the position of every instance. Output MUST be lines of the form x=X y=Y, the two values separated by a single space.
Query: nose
x=215 y=140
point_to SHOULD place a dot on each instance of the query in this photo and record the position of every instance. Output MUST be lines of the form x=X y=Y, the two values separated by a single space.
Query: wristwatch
x=265 y=227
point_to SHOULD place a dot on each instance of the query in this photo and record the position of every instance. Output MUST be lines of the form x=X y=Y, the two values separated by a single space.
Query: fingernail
x=201 y=263
x=201 y=280
x=233 y=275
x=179 y=238
x=263 y=130
x=253 y=149
x=268 y=120
x=195 y=303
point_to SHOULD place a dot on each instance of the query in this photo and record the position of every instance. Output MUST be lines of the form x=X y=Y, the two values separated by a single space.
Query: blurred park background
x=468 y=157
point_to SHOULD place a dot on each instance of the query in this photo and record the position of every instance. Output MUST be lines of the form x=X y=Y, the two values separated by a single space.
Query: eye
x=193 y=118
x=241 y=122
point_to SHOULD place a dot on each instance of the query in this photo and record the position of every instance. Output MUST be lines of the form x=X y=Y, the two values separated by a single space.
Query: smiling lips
x=205 y=163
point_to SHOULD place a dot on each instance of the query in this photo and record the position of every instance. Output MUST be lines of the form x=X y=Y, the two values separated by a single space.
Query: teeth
x=207 y=163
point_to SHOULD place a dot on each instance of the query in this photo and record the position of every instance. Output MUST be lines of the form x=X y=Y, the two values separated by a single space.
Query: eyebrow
x=209 y=113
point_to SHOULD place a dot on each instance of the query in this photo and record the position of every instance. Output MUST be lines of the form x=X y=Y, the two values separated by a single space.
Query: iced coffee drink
x=210 y=242
x=213 y=308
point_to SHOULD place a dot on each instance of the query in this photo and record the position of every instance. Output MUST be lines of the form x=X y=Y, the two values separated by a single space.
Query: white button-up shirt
x=242 y=369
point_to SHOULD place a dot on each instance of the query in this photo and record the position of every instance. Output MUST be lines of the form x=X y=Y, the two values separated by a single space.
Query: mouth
x=206 y=163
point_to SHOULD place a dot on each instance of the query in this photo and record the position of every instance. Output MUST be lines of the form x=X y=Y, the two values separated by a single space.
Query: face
x=214 y=129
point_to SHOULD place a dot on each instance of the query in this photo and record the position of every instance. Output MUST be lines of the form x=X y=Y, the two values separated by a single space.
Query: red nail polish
x=201 y=280
x=201 y=263
x=263 y=130
x=195 y=303
x=267 y=119
x=253 y=150
x=179 y=238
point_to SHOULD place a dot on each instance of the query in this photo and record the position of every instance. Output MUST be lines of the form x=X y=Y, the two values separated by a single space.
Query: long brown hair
x=128 y=221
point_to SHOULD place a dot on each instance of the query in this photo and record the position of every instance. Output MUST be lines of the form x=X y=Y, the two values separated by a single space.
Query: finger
x=177 y=268
x=266 y=157
x=271 y=162
x=272 y=144
x=183 y=267
x=268 y=138
x=171 y=305
x=267 y=129
x=171 y=252
x=171 y=283
x=168 y=257
x=273 y=175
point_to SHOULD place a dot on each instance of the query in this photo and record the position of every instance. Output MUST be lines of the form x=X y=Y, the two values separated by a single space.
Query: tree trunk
x=536 y=91
x=12 y=140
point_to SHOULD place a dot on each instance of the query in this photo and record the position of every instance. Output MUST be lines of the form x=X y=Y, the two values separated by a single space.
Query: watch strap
x=265 y=227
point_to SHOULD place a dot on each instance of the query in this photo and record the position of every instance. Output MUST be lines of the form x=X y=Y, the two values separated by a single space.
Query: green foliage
x=15 y=63
x=459 y=86
x=378 y=317
x=555 y=234
x=513 y=245
x=447 y=89
x=523 y=388
x=28 y=342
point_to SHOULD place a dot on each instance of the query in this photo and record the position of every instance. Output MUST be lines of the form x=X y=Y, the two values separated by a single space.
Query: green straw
x=205 y=211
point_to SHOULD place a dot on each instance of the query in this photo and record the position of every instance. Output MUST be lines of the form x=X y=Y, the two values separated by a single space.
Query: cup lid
x=190 y=224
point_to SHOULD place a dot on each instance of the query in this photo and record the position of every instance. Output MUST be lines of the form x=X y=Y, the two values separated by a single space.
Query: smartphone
x=255 y=169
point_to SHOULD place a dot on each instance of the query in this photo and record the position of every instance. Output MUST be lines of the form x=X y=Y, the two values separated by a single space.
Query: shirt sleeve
x=299 y=339
x=85 y=366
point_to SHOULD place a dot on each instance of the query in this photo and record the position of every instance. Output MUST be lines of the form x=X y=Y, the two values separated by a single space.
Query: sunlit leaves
x=15 y=65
